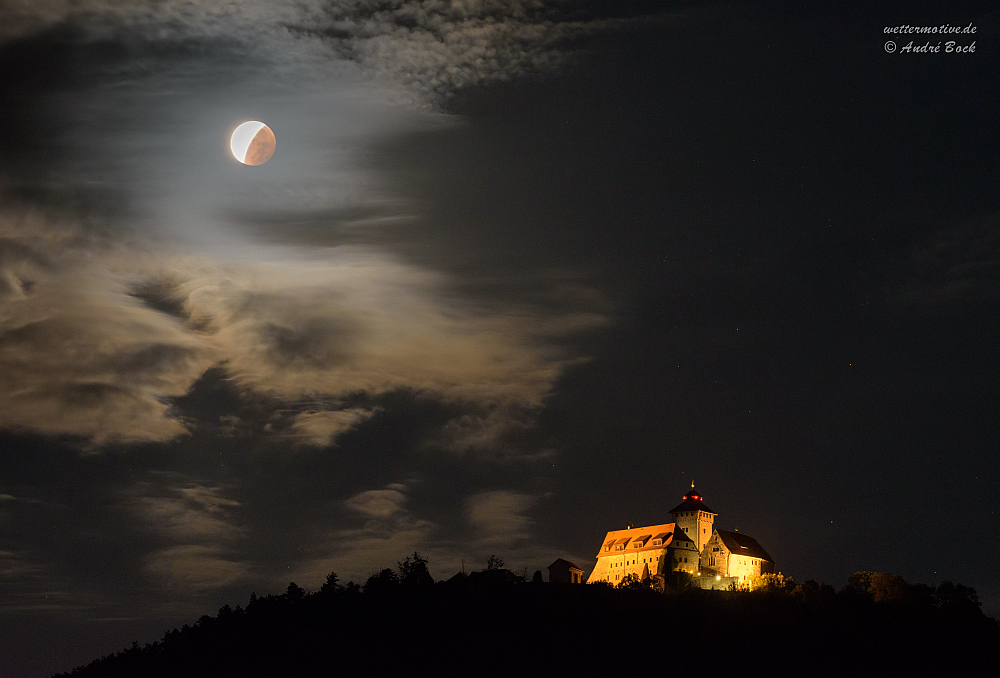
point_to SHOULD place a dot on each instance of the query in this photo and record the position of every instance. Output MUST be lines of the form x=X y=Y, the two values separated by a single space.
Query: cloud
x=16 y=565
x=430 y=48
x=439 y=47
x=200 y=521
x=499 y=517
x=189 y=513
x=99 y=336
x=389 y=532
x=378 y=503
x=167 y=19
x=359 y=320
x=196 y=567
x=958 y=266
x=321 y=428
x=500 y=432
x=109 y=314
x=78 y=355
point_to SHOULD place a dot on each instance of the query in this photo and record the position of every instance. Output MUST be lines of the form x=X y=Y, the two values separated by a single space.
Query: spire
x=692 y=501
x=692 y=483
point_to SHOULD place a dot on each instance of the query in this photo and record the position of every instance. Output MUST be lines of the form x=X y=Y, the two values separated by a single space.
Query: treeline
x=495 y=623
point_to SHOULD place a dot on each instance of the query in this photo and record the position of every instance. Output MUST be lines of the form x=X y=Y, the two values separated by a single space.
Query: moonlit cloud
x=958 y=265
x=79 y=356
x=500 y=517
x=14 y=564
x=180 y=276
x=83 y=355
x=192 y=568
x=389 y=530
x=199 y=524
x=192 y=512
x=321 y=428
x=430 y=48
x=437 y=47
x=378 y=503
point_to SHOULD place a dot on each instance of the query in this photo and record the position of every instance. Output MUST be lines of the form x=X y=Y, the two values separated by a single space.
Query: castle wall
x=685 y=559
x=744 y=567
x=614 y=568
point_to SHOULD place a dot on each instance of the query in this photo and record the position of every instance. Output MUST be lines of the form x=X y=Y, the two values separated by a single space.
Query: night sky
x=517 y=273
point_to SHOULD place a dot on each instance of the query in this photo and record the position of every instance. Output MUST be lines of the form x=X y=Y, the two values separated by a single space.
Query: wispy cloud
x=79 y=356
x=321 y=428
x=187 y=513
x=955 y=266
x=388 y=532
x=199 y=523
x=16 y=564
x=500 y=517
x=87 y=349
x=192 y=568
x=430 y=48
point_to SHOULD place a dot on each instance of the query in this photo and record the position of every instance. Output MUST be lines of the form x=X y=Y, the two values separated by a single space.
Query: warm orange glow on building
x=689 y=544
x=736 y=555
x=645 y=552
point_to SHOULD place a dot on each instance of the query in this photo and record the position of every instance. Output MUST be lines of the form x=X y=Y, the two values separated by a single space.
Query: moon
x=253 y=143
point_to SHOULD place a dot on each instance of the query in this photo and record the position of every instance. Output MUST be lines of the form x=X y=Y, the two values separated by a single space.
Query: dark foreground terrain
x=492 y=624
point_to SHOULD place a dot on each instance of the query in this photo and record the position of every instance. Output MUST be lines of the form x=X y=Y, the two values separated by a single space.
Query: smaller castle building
x=731 y=554
x=563 y=571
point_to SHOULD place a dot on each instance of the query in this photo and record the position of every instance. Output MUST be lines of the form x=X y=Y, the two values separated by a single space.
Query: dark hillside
x=498 y=626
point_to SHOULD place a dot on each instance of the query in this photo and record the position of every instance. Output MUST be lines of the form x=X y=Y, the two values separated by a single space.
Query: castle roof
x=562 y=562
x=743 y=545
x=646 y=535
x=681 y=535
x=692 y=502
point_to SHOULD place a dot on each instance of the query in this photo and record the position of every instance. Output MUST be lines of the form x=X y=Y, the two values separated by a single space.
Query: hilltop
x=493 y=623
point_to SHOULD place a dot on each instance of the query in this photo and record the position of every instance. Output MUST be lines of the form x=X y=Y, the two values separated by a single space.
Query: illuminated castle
x=690 y=544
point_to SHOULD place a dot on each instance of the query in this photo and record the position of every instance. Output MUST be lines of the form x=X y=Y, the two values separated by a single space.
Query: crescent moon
x=253 y=143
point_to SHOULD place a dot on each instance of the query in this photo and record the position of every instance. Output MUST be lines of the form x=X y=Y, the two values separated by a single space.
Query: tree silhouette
x=957 y=597
x=382 y=583
x=494 y=562
x=294 y=592
x=331 y=585
x=413 y=572
x=632 y=582
x=564 y=630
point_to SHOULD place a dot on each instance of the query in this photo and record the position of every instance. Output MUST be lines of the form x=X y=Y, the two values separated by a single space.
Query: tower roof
x=692 y=502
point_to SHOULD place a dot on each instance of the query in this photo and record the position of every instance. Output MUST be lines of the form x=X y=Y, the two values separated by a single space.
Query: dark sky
x=516 y=274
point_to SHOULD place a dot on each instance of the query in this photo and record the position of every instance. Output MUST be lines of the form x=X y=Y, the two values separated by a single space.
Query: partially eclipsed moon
x=253 y=143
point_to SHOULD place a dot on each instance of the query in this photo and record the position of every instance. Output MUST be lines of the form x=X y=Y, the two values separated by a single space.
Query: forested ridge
x=494 y=623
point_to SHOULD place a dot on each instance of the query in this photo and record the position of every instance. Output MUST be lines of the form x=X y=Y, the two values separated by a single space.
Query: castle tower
x=694 y=518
